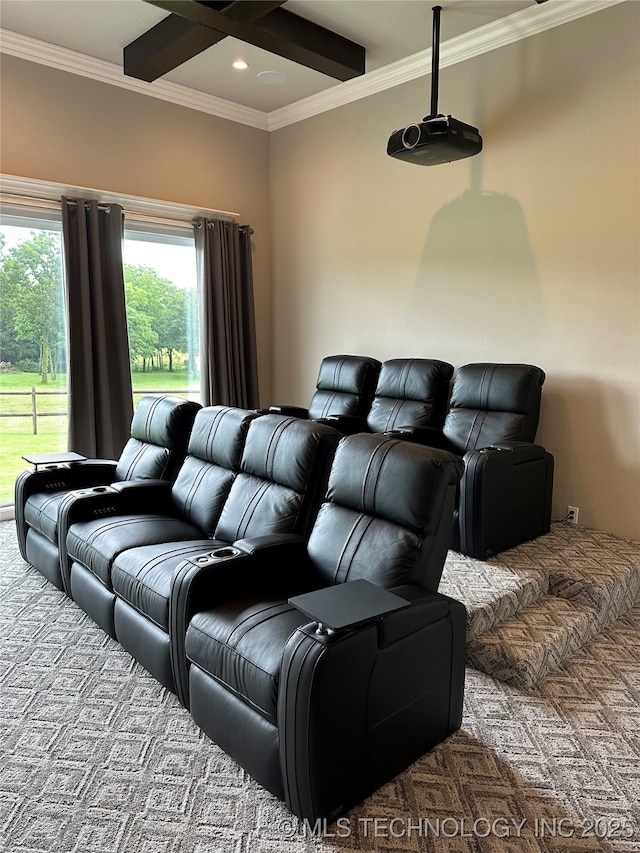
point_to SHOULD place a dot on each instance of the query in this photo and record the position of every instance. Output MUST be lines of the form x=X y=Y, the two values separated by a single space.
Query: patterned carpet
x=99 y=758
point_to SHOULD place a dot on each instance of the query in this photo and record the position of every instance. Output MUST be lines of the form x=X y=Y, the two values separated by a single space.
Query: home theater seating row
x=488 y=417
x=283 y=583
x=278 y=569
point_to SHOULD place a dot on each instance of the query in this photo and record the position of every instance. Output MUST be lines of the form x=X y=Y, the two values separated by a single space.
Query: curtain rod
x=32 y=190
x=131 y=215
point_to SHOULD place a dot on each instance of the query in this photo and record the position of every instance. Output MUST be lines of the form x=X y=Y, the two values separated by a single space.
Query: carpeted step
x=491 y=592
x=599 y=571
x=538 y=639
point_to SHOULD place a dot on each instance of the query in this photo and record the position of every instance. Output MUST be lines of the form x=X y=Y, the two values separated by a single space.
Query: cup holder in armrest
x=94 y=490
x=225 y=552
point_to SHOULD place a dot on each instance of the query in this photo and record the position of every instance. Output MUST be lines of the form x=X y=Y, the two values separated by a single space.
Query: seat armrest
x=429 y=436
x=261 y=563
x=55 y=478
x=151 y=484
x=64 y=477
x=227 y=570
x=426 y=608
x=346 y=424
x=124 y=498
x=290 y=411
x=522 y=451
x=273 y=546
x=352 y=714
x=347 y=605
x=97 y=463
x=505 y=498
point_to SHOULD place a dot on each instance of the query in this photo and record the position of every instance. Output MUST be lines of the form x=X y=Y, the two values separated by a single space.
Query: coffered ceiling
x=90 y=36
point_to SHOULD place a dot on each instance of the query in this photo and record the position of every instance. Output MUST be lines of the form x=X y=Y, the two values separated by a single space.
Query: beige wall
x=64 y=128
x=528 y=252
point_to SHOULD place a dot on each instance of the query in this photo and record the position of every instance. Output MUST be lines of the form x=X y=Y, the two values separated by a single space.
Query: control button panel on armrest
x=347 y=605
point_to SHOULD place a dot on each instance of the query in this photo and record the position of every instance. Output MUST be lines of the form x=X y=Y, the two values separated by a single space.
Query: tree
x=32 y=297
x=157 y=312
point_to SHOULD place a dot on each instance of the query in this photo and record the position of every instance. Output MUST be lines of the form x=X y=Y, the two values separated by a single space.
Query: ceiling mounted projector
x=437 y=138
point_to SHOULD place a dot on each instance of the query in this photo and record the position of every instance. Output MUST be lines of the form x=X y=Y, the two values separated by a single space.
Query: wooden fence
x=30 y=408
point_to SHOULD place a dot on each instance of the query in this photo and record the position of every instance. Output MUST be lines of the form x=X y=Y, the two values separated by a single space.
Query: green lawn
x=16 y=433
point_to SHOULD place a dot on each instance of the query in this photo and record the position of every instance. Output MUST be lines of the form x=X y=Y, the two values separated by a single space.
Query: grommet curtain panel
x=99 y=381
x=228 y=354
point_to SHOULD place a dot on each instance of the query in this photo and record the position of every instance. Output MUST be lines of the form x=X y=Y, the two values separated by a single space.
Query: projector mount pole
x=435 y=61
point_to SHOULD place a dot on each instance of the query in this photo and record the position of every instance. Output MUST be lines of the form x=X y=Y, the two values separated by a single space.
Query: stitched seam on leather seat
x=406 y=371
x=467 y=442
x=157 y=560
x=214 y=427
x=246 y=700
x=136 y=606
x=121 y=520
x=272 y=446
x=383 y=448
x=243 y=627
x=134 y=461
x=478 y=423
x=485 y=385
x=393 y=414
x=144 y=448
x=250 y=509
x=193 y=488
x=149 y=418
x=42 y=512
x=344 y=563
x=326 y=409
x=337 y=371
x=124 y=522
x=231 y=649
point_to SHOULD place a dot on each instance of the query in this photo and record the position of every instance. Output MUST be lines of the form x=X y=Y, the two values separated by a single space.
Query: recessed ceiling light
x=240 y=64
x=272 y=77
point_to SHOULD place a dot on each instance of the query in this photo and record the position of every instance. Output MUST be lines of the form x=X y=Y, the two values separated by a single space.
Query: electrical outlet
x=572 y=514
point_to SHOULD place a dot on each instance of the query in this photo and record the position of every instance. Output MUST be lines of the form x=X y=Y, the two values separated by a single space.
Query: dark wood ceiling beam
x=282 y=33
x=176 y=39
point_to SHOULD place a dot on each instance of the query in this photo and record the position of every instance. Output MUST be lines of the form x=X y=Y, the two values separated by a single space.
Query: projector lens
x=411 y=136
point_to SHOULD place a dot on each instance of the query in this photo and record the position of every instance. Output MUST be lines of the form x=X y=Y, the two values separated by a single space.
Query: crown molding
x=63 y=59
x=504 y=31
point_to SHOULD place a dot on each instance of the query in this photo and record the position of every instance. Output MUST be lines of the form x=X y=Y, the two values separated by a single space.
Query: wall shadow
x=478 y=266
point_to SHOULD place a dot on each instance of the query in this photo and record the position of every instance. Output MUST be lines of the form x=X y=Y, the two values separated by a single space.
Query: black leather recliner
x=409 y=392
x=323 y=714
x=101 y=526
x=244 y=477
x=505 y=492
x=160 y=432
x=345 y=386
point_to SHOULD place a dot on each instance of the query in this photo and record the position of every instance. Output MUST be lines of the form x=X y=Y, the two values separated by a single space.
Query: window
x=33 y=378
x=162 y=309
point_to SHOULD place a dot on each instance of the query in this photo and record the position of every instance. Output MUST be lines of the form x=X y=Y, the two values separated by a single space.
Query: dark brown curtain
x=228 y=356
x=100 y=393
